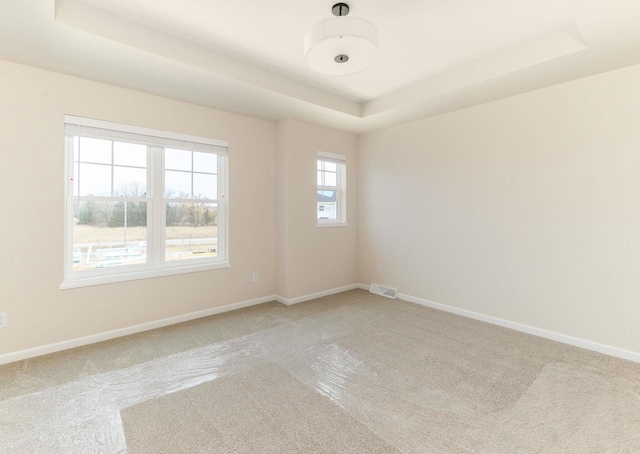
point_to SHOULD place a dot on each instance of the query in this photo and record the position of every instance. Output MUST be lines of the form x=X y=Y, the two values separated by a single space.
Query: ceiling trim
x=82 y=40
x=551 y=46
x=92 y=20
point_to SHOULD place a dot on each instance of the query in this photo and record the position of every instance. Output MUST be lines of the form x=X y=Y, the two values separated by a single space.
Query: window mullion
x=339 y=211
x=222 y=237
x=68 y=247
x=112 y=169
x=156 y=157
x=339 y=216
x=72 y=157
x=342 y=191
x=192 y=194
x=151 y=209
x=95 y=252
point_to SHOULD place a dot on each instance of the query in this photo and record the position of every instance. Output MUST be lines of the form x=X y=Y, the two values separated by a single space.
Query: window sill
x=332 y=224
x=88 y=281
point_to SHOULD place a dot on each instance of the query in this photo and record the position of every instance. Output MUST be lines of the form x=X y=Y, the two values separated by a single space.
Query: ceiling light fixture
x=341 y=45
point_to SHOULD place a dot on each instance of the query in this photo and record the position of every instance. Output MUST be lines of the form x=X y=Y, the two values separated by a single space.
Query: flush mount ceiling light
x=341 y=45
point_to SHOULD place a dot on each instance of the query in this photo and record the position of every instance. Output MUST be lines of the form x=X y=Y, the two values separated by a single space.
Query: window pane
x=205 y=186
x=95 y=150
x=319 y=164
x=330 y=166
x=95 y=179
x=108 y=234
x=129 y=182
x=119 y=179
x=129 y=154
x=327 y=204
x=75 y=178
x=205 y=162
x=177 y=185
x=192 y=231
x=177 y=159
x=330 y=179
x=319 y=178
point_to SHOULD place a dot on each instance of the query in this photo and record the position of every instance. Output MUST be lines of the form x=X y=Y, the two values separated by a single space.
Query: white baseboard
x=540 y=332
x=79 y=342
x=312 y=296
x=94 y=338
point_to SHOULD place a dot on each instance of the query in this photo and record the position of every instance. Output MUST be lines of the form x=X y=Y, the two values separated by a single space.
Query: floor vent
x=381 y=290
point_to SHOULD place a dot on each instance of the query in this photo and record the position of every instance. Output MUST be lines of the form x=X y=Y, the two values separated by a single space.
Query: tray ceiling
x=247 y=56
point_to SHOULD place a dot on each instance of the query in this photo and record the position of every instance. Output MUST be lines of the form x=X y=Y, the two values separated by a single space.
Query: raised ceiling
x=247 y=56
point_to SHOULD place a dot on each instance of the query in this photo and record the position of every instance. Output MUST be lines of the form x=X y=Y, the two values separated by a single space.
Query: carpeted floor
x=347 y=373
x=280 y=413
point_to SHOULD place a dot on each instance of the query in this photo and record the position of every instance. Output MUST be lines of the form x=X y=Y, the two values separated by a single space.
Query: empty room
x=320 y=227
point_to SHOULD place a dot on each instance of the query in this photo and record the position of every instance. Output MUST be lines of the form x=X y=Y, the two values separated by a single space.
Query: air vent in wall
x=381 y=290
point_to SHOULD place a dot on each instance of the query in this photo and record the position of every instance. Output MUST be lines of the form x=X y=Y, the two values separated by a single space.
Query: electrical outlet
x=3 y=320
x=379 y=269
x=256 y=278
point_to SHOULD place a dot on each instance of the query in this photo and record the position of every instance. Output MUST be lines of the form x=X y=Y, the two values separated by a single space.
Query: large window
x=331 y=174
x=142 y=203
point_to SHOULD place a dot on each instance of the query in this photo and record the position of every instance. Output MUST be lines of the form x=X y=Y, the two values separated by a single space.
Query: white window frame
x=341 y=189
x=156 y=141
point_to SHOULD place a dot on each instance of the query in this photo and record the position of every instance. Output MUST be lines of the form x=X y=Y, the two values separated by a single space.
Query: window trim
x=341 y=161
x=156 y=214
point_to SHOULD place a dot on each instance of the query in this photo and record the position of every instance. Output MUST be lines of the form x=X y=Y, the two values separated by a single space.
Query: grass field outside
x=92 y=234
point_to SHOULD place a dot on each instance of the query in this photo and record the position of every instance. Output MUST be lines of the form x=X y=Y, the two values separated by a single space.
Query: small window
x=331 y=174
x=142 y=203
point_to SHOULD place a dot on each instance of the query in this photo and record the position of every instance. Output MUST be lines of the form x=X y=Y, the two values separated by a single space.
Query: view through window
x=331 y=181
x=140 y=203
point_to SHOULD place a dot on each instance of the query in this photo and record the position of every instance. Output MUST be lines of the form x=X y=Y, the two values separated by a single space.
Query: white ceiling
x=247 y=56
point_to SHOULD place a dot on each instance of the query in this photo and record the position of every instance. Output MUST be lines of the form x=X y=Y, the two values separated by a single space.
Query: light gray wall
x=272 y=211
x=313 y=259
x=527 y=209
x=34 y=103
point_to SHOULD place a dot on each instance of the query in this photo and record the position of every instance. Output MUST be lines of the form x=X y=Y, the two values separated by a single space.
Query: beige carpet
x=263 y=410
x=347 y=373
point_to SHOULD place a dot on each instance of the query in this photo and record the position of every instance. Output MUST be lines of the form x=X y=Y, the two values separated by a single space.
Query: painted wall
x=527 y=209
x=311 y=258
x=524 y=209
x=32 y=105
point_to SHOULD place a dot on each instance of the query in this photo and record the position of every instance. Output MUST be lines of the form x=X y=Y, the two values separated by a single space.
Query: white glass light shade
x=356 y=38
